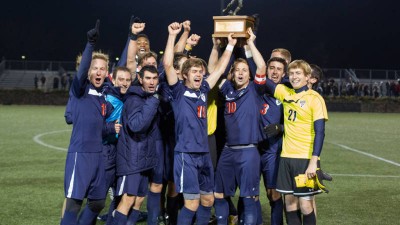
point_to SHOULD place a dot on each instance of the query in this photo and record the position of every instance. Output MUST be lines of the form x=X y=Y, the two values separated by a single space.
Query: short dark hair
x=316 y=72
x=143 y=36
x=151 y=69
x=278 y=59
x=119 y=68
x=145 y=56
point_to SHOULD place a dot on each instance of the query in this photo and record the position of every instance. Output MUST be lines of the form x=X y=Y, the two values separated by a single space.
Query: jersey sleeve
x=281 y=91
x=319 y=109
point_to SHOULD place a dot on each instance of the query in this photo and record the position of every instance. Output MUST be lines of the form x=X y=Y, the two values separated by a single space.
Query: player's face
x=194 y=77
x=298 y=78
x=149 y=81
x=241 y=75
x=151 y=61
x=143 y=45
x=98 y=72
x=275 y=71
x=123 y=79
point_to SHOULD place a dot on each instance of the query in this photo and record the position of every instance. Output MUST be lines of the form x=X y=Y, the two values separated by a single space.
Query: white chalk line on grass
x=363 y=175
x=367 y=154
x=40 y=142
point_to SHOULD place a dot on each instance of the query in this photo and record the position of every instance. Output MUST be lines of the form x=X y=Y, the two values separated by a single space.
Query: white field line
x=40 y=142
x=363 y=175
x=366 y=154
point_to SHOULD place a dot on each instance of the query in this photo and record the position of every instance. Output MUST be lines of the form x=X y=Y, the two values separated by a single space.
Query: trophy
x=223 y=25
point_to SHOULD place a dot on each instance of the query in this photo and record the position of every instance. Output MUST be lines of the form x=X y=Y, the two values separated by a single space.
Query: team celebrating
x=186 y=135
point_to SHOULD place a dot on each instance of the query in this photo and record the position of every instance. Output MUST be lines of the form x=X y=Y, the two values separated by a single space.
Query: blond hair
x=101 y=55
x=300 y=64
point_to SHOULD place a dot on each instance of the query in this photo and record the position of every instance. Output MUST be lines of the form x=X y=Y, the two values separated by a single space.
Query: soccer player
x=136 y=148
x=240 y=155
x=304 y=131
x=271 y=146
x=193 y=171
x=84 y=167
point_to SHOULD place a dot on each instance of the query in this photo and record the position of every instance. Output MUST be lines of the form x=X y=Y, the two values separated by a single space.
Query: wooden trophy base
x=224 y=25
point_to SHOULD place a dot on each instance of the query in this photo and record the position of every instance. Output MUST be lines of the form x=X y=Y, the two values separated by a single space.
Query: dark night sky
x=330 y=33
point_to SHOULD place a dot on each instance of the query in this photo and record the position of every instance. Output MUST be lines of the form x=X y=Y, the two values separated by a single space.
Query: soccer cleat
x=325 y=176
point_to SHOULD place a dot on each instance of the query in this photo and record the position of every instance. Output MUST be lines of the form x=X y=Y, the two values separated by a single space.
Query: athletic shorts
x=157 y=172
x=136 y=184
x=238 y=167
x=269 y=168
x=193 y=173
x=289 y=168
x=85 y=176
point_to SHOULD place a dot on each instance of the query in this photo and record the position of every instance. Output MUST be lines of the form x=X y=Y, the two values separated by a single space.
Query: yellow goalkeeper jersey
x=300 y=112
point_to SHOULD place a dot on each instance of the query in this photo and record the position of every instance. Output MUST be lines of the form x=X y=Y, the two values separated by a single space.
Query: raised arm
x=173 y=30
x=136 y=28
x=180 y=45
x=222 y=63
x=257 y=57
x=213 y=59
x=81 y=78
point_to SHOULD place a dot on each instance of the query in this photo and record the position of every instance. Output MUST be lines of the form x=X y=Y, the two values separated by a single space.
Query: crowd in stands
x=334 y=88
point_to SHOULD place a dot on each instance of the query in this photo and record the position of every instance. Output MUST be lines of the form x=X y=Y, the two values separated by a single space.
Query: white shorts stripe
x=71 y=182
x=121 y=189
x=181 y=178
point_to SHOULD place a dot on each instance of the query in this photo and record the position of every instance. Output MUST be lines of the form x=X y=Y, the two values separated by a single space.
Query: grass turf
x=364 y=190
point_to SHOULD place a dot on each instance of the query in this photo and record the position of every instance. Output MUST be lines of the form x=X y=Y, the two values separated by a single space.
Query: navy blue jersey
x=190 y=111
x=242 y=114
x=136 y=147
x=271 y=113
x=90 y=109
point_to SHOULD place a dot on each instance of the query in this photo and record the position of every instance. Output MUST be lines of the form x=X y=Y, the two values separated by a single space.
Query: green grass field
x=361 y=150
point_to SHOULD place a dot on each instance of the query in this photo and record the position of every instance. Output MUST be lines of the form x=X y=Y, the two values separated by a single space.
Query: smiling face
x=275 y=71
x=194 y=77
x=241 y=75
x=298 y=78
x=299 y=73
x=123 y=80
x=143 y=45
x=97 y=72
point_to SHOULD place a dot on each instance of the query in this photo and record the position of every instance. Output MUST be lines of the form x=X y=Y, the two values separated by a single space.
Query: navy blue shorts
x=289 y=168
x=85 y=176
x=158 y=171
x=193 y=173
x=238 y=167
x=269 y=168
x=136 y=184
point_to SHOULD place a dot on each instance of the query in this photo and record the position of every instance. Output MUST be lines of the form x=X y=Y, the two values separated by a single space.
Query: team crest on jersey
x=302 y=103
x=203 y=97
x=277 y=102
